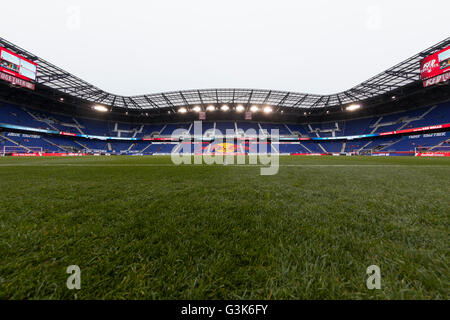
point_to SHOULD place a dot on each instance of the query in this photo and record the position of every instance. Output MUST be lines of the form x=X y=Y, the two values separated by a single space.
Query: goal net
x=433 y=150
x=9 y=150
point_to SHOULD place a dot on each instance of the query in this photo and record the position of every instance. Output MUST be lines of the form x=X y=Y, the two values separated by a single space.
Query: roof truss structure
x=63 y=82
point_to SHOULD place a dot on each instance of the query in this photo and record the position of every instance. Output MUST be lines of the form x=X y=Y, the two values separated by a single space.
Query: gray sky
x=136 y=47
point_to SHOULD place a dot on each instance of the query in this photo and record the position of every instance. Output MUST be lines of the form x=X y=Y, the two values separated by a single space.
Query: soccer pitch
x=143 y=228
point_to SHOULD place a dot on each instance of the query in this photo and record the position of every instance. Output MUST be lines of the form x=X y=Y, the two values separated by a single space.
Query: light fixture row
x=225 y=107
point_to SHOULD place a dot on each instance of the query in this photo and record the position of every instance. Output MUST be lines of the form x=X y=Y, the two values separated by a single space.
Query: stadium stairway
x=364 y=146
x=78 y=125
x=55 y=145
x=16 y=143
x=440 y=144
x=82 y=145
x=321 y=147
x=148 y=146
x=39 y=119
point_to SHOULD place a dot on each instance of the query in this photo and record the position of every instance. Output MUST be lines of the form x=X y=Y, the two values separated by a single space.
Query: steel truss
x=63 y=82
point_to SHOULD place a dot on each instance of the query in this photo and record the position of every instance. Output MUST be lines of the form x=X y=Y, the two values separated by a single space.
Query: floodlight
x=225 y=107
x=268 y=109
x=240 y=108
x=100 y=108
x=182 y=110
x=353 y=107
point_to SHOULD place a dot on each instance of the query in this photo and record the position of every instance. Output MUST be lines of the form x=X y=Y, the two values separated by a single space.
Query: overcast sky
x=136 y=47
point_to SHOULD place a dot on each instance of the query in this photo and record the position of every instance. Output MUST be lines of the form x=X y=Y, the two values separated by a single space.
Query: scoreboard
x=17 y=69
x=436 y=67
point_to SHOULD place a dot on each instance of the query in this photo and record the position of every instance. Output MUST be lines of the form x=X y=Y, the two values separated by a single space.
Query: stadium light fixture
x=254 y=109
x=353 y=107
x=268 y=109
x=197 y=109
x=225 y=107
x=211 y=108
x=240 y=108
x=100 y=108
x=182 y=110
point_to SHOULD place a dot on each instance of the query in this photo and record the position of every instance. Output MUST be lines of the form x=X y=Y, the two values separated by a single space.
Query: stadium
x=88 y=179
x=393 y=113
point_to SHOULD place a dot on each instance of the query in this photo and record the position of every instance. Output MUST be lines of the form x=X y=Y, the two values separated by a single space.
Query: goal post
x=364 y=152
x=432 y=150
x=9 y=150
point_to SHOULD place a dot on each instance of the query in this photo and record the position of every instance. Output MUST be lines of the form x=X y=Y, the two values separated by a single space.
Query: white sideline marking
x=215 y=165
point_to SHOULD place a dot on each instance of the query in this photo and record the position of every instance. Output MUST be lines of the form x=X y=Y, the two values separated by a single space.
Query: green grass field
x=142 y=228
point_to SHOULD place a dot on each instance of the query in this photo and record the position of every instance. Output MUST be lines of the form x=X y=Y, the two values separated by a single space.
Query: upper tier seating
x=171 y=127
x=282 y=129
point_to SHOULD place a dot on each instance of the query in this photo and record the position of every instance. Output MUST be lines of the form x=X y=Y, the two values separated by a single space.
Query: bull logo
x=225 y=147
x=429 y=66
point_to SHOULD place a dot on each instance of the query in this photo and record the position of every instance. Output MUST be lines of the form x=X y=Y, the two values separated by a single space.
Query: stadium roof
x=394 y=78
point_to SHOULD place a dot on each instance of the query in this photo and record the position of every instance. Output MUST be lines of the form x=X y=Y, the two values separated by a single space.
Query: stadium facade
x=46 y=110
